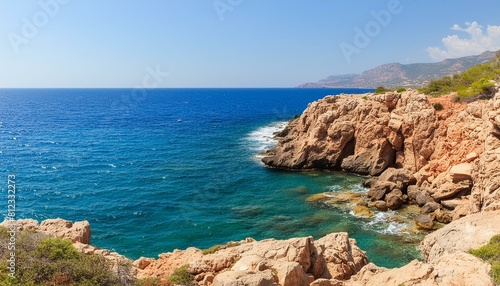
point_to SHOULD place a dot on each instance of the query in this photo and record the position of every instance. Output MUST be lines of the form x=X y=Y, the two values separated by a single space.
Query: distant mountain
x=399 y=75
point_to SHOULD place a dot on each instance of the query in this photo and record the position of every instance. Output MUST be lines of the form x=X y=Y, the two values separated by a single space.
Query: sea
x=155 y=170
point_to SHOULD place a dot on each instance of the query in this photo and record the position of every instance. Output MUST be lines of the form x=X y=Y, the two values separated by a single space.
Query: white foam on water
x=383 y=223
x=262 y=139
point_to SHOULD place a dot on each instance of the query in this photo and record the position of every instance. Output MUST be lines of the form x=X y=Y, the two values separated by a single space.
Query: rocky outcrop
x=423 y=156
x=296 y=261
x=78 y=232
x=332 y=260
x=470 y=232
x=460 y=269
x=446 y=257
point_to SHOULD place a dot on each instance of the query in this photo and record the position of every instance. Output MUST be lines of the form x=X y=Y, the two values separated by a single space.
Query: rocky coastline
x=334 y=260
x=441 y=155
x=446 y=161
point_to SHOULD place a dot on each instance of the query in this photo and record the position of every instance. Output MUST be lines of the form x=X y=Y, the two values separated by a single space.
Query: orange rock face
x=453 y=152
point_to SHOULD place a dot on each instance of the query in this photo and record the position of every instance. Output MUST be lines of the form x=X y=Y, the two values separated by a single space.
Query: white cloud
x=478 y=40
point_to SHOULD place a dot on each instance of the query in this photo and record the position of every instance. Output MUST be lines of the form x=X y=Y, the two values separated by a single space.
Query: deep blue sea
x=160 y=169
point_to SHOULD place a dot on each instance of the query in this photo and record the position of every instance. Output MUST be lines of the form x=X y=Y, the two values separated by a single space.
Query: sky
x=229 y=43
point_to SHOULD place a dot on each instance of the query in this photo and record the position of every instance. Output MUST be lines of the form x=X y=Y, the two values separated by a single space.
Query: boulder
x=403 y=178
x=394 y=199
x=343 y=257
x=380 y=205
x=142 y=262
x=286 y=273
x=424 y=222
x=245 y=278
x=430 y=207
x=449 y=190
x=442 y=216
x=461 y=172
x=379 y=189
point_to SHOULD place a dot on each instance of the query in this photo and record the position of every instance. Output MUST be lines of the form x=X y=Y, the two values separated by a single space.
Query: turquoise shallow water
x=173 y=168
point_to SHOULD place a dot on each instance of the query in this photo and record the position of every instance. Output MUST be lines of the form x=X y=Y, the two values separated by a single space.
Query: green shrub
x=56 y=249
x=211 y=249
x=150 y=282
x=401 y=89
x=380 y=90
x=181 y=276
x=41 y=260
x=490 y=253
x=438 y=106
x=477 y=82
x=364 y=97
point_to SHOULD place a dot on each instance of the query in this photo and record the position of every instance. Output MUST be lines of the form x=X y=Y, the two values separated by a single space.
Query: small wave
x=383 y=223
x=262 y=139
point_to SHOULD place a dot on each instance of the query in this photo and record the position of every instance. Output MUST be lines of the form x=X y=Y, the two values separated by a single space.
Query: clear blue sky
x=229 y=43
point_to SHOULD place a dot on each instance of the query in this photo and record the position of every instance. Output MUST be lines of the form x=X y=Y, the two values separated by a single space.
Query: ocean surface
x=160 y=169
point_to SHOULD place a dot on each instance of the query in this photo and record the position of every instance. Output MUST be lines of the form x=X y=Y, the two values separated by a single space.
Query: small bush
x=181 y=276
x=364 y=97
x=56 y=249
x=380 y=90
x=211 y=249
x=490 y=253
x=401 y=89
x=438 y=106
x=42 y=260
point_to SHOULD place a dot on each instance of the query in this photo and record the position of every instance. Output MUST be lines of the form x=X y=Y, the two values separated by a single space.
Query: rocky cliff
x=447 y=161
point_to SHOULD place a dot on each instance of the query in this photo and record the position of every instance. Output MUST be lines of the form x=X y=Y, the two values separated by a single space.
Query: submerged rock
x=362 y=211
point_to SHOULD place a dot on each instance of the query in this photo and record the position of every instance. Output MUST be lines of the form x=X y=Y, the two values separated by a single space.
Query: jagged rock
x=76 y=232
x=413 y=192
x=142 y=262
x=380 y=205
x=394 y=199
x=371 y=162
x=450 y=190
x=430 y=207
x=423 y=197
x=442 y=216
x=424 y=222
x=343 y=257
x=287 y=273
x=379 y=189
x=453 y=154
x=290 y=260
x=369 y=182
x=403 y=178
x=453 y=203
